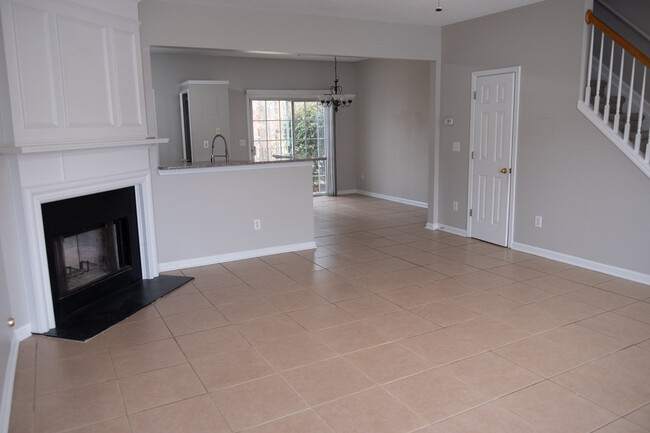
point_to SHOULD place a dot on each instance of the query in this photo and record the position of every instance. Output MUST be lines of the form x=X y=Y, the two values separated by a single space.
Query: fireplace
x=99 y=258
x=92 y=248
x=66 y=260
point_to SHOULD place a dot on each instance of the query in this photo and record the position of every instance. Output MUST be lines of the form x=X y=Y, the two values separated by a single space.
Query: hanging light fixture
x=438 y=8
x=336 y=98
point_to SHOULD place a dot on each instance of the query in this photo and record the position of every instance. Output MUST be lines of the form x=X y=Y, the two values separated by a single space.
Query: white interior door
x=493 y=118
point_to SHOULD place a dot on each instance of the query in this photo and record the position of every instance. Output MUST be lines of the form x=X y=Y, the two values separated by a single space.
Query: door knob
x=504 y=170
x=11 y=322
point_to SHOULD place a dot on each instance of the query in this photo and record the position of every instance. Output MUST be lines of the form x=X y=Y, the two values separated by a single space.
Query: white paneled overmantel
x=74 y=72
x=42 y=177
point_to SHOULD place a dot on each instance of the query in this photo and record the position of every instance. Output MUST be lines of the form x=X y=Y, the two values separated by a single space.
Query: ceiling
x=390 y=11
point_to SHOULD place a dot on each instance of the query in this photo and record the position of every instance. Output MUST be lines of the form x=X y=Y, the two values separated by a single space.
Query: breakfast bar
x=212 y=212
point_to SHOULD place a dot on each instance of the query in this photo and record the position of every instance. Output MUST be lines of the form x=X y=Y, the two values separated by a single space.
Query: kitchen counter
x=221 y=165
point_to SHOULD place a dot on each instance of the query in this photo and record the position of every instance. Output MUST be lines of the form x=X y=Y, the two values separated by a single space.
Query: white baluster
x=637 y=139
x=609 y=85
x=600 y=71
x=617 y=116
x=626 y=133
x=590 y=55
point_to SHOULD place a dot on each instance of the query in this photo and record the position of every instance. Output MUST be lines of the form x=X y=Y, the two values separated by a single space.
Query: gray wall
x=6 y=337
x=10 y=248
x=168 y=70
x=209 y=109
x=595 y=203
x=6 y=129
x=186 y=24
x=392 y=129
x=12 y=285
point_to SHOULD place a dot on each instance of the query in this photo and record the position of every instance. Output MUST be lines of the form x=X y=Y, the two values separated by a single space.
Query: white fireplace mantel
x=43 y=177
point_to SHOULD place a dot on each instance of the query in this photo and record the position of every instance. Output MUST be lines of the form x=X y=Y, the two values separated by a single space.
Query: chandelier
x=336 y=98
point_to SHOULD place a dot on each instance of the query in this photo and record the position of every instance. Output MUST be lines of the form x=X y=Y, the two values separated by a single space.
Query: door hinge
x=472 y=154
x=474 y=94
x=470 y=212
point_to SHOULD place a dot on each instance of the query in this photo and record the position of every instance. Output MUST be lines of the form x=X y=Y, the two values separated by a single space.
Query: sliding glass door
x=291 y=129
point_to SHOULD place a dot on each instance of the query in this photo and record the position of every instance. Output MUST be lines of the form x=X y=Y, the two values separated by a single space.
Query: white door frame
x=513 y=155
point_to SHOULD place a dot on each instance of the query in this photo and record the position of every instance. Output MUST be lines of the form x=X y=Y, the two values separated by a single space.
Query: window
x=290 y=128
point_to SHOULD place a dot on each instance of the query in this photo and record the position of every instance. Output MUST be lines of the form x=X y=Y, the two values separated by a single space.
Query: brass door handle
x=11 y=322
x=504 y=170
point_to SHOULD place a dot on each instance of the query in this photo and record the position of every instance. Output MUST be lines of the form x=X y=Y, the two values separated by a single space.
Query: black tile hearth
x=99 y=316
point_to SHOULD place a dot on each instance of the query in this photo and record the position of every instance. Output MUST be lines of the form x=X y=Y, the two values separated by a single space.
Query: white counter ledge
x=207 y=166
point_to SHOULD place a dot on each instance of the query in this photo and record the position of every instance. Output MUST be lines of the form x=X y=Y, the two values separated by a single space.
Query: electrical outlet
x=455 y=146
x=454 y=206
x=242 y=142
x=538 y=221
x=257 y=224
x=363 y=176
x=218 y=130
x=206 y=144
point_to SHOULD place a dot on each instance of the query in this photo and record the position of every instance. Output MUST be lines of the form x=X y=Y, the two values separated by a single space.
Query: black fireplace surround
x=93 y=254
x=68 y=218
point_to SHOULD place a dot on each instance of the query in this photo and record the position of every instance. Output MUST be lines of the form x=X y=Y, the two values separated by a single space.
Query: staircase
x=616 y=101
x=605 y=106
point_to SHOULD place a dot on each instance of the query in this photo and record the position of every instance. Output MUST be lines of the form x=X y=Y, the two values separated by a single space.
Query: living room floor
x=385 y=327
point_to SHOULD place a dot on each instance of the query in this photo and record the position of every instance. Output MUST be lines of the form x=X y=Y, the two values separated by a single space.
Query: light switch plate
x=455 y=146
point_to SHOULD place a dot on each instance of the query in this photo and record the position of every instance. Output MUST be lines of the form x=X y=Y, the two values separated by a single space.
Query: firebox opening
x=91 y=255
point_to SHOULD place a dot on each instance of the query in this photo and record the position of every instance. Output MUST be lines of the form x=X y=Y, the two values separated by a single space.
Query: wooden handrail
x=590 y=18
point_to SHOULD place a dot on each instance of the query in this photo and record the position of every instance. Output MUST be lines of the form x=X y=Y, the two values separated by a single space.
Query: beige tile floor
x=385 y=327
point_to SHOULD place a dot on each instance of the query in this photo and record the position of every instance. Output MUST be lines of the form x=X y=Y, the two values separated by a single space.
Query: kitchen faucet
x=225 y=145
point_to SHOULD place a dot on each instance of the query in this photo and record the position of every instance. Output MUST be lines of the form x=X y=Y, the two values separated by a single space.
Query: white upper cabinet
x=74 y=72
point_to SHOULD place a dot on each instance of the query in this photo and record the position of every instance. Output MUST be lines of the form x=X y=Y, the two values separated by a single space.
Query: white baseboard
x=452 y=230
x=583 y=263
x=432 y=226
x=10 y=373
x=23 y=332
x=386 y=197
x=229 y=257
